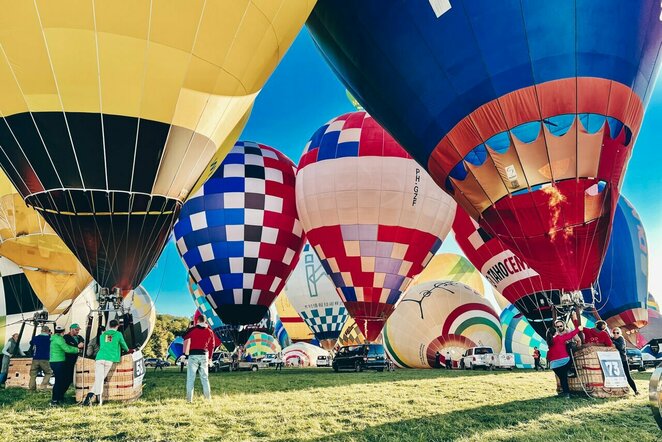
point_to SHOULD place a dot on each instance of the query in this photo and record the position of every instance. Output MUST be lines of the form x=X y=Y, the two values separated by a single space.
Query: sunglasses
x=617 y=333
x=560 y=326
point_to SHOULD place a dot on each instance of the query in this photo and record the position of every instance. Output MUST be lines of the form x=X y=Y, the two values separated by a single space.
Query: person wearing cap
x=74 y=339
x=111 y=344
x=60 y=348
x=41 y=355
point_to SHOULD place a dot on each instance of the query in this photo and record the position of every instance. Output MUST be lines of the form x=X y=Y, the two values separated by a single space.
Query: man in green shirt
x=111 y=343
x=59 y=348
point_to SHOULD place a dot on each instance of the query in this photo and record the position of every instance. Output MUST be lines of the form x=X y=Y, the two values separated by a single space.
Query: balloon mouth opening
x=241 y=314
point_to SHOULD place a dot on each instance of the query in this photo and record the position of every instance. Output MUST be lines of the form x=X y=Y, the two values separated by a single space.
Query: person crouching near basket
x=111 y=343
x=557 y=355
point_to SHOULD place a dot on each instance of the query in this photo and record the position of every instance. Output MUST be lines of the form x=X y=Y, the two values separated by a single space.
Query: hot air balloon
x=296 y=328
x=520 y=338
x=623 y=283
x=18 y=303
x=440 y=316
x=137 y=316
x=314 y=298
x=55 y=274
x=176 y=348
x=239 y=235
x=526 y=112
x=652 y=330
x=280 y=333
x=302 y=354
x=114 y=110
x=374 y=216
x=351 y=334
x=451 y=267
x=260 y=344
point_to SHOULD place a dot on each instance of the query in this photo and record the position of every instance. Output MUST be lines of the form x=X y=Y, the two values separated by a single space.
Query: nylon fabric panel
x=520 y=338
x=443 y=316
x=296 y=328
x=314 y=299
x=451 y=267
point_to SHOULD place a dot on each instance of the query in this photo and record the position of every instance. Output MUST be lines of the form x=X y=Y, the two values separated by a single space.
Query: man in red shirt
x=597 y=335
x=201 y=349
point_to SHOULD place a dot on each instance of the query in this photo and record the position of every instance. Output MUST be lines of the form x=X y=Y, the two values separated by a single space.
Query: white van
x=476 y=357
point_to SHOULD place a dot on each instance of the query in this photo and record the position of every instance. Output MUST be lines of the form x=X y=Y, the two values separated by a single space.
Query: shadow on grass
x=517 y=420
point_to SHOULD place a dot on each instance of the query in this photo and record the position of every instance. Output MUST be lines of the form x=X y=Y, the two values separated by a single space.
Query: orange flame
x=554 y=204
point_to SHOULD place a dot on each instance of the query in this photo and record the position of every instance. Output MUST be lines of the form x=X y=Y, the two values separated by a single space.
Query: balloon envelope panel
x=176 y=348
x=303 y=354
x=451 y=267
x=239 y=235
x=530 y=134
x=314 y=297
x=261 y=344
x=440 y=316
x=623 y=283
x=296 y=328
x=374 y=216
x=520 y=338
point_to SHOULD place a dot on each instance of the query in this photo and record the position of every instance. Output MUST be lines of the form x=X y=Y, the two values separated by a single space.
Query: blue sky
x=303 y=94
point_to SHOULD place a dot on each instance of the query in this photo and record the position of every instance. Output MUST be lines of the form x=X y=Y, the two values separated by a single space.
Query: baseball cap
x=74 y=326
x=59 y=329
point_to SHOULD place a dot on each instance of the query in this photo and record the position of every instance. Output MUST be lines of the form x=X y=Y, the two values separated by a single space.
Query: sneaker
x=566 y=396
x=572 y=375
x=55 y=404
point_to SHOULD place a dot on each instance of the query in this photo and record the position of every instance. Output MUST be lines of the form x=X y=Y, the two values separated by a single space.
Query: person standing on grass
x=200 y=351
x=74 y=339
x=110 y=345
x=59 y=348
x=536 y=359
x=10 y=350
x=42 y=353
x=557 y=355
x=619 y=343
x=449 y=361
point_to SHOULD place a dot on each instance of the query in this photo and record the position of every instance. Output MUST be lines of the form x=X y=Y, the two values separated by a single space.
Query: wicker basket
x=590 y=379
x=123 y=383
x=19 y=373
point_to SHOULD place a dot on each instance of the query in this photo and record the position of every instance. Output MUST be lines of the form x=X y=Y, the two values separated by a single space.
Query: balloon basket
x=18 y=375
x=124 y=382
x=590 y=379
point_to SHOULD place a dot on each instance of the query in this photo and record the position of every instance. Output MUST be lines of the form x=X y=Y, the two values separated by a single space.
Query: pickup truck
x=252 y=366
x=505 y=361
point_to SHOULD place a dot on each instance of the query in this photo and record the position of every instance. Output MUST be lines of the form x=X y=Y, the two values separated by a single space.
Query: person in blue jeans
x=201 y=349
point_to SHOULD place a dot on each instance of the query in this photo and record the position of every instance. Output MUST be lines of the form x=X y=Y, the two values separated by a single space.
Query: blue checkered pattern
x=326 y=322
x=239 y=235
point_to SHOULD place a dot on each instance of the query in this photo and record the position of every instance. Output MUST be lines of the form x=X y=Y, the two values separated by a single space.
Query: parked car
x=478 y=357
x=651 y=354
x=505 y=361
x=271 y=359
x=151 y=362
x=221 y=360
x=324 y=361
x=360 y=357
x=635 y=360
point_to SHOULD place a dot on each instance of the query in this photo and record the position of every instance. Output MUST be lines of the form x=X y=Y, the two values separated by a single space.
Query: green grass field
x=319 y=405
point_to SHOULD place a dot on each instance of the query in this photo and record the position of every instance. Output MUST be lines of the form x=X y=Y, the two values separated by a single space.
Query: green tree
x=167 y=327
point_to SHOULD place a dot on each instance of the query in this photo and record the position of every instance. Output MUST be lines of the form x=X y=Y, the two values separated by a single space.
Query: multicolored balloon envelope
x=110 y=122
x=520 y=338
x=440 y=316
x=239 y=235
x=261 y=344
x=303 y=354
x=652 y=330
x=623 y=283
x=296 y=328
x=525 y=111
x=138 y=315
x=176 y=348
x=314 y=297
x=280 y=333
x=451 y=267
x=55 y=274
x=374 y=216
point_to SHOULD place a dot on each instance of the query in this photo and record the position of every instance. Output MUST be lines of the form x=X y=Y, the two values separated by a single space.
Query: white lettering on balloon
x=505 y=269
